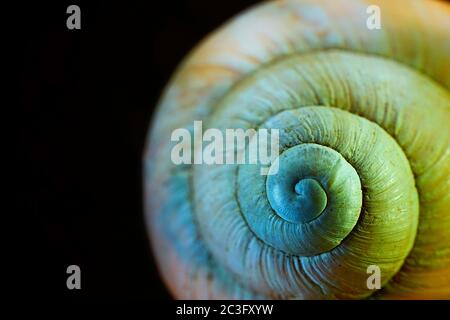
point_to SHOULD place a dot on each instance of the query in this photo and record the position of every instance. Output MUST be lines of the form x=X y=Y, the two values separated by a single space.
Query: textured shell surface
x=363 y=166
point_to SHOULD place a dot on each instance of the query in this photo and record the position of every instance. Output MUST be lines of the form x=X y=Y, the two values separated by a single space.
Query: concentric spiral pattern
x=363 y=167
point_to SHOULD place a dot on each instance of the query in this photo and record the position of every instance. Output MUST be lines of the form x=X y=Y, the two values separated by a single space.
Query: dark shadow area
x=86 y=97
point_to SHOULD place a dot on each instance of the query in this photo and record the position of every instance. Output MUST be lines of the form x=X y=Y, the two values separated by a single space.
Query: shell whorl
x=364 y=156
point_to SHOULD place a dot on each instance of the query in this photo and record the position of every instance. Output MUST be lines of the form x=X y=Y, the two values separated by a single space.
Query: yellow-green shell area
x=364 y=122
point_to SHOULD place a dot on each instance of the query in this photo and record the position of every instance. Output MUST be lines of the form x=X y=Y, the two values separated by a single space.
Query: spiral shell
x=364 y=156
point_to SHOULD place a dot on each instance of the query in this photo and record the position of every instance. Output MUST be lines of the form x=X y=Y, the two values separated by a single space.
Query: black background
x=86 y=98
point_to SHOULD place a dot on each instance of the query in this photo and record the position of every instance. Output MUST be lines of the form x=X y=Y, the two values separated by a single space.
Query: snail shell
x=364 y=156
